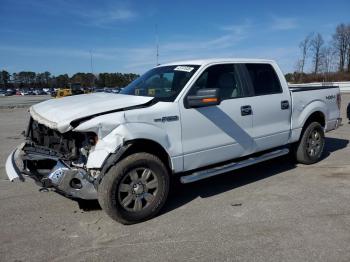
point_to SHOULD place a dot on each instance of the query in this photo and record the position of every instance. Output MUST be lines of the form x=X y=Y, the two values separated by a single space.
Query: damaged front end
x=54 y=160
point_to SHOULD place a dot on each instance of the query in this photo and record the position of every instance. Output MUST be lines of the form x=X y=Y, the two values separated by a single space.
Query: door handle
x=246 y=110
x=285 y=105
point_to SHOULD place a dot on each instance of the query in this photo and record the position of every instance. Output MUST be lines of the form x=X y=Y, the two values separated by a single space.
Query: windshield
x=164 y=83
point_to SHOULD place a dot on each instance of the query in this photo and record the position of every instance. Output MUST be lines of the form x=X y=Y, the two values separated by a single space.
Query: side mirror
x=203 y=98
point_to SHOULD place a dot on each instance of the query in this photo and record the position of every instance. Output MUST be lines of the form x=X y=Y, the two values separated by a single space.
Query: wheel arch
x=148 y=146
x=136 y=146
x=316 y=110
x=316 y=116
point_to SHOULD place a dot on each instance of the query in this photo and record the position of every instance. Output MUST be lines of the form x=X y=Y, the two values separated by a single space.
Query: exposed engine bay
x=68 y=144
x=57 y=160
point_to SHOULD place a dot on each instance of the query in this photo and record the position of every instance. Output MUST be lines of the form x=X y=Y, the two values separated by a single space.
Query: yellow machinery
x=62 y=92
x=73 y=89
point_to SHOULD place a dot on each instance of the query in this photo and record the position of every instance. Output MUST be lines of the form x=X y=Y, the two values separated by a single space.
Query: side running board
x=199 y=175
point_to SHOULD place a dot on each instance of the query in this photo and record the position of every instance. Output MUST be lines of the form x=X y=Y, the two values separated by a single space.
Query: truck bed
x=305 y=99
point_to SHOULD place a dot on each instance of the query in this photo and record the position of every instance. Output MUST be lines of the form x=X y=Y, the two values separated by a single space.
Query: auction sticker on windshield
x=184 y=68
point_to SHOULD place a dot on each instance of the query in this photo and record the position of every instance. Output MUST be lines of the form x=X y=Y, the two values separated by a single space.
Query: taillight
x=339 y=100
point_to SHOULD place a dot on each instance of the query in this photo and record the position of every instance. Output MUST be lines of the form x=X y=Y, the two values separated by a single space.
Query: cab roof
x=218 y=60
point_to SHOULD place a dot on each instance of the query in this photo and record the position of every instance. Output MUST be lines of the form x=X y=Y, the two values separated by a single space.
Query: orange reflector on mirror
x=209 y=100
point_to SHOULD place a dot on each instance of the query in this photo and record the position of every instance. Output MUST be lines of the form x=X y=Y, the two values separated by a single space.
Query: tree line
x=28 y=79
x=328 y=61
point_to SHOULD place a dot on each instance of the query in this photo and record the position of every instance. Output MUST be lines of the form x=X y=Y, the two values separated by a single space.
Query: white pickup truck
x=194 y=118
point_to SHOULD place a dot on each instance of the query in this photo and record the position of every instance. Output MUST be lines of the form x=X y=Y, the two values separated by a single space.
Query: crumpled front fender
x=122 y=134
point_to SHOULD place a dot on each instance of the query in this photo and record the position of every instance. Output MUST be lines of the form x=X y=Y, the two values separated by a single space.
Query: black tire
x=309 y=149
x=120 y=184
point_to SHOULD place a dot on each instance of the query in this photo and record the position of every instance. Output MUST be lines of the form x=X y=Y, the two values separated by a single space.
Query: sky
x=62 y=36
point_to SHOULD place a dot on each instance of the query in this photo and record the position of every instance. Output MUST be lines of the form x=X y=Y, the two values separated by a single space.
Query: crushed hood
x=59 y=113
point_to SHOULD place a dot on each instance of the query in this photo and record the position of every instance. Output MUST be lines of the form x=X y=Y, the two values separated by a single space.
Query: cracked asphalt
x=274 y=211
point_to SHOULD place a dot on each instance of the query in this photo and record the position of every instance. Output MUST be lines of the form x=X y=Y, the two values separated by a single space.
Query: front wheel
x=310 y=147
x=135 y=189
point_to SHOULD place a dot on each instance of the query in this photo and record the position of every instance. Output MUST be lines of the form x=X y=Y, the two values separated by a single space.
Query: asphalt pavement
x=274 y=211
x=21 y=101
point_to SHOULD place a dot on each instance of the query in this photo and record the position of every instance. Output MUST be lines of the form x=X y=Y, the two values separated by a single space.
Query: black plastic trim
x=308 y=88
x=111 y=160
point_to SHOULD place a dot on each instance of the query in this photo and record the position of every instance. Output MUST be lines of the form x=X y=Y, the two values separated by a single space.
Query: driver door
x=218 y=133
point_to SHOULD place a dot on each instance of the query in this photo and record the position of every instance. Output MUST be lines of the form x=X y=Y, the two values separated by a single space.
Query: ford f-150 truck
x=196 y=119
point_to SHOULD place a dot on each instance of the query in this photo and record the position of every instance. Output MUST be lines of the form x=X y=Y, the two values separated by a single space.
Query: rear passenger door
x=271 y=106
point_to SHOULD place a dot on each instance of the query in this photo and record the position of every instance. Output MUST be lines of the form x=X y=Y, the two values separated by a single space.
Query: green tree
x=101 y=82
x=4 y=78
x=85 y=79
x=62 y=81
x=26 y=78
x=47 y=77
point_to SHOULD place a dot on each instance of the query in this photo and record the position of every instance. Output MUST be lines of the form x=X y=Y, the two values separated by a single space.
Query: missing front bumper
x=68 y=181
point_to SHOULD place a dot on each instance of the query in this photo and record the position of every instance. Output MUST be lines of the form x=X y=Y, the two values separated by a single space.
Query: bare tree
x=348 y=45
x=316 y=44
x=327 y=59
x=340 y=43
x=304 y=47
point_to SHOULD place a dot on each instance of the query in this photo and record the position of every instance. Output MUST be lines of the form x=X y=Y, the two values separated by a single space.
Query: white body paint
x=199 y=137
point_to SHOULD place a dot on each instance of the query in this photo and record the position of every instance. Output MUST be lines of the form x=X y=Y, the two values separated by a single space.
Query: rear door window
x=263 y=79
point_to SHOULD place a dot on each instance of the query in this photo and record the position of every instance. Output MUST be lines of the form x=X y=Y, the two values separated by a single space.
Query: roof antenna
x=157 y=46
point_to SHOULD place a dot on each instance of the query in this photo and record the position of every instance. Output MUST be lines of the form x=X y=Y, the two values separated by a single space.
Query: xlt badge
x=167 y=119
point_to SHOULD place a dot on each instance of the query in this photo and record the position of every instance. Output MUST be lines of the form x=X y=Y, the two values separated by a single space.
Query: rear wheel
x=310 y=147
x=135 y=189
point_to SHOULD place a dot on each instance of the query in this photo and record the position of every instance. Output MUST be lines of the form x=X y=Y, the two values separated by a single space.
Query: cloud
x=86 y=14
x=100 y=53
x=284 y=23
x=127 y=57
x=230 y=36
x=283 y=55
x=35 y=51
x=198 y=44
x=142 y=57
x=238 y=29
x=228 y=42
x=106 y=16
